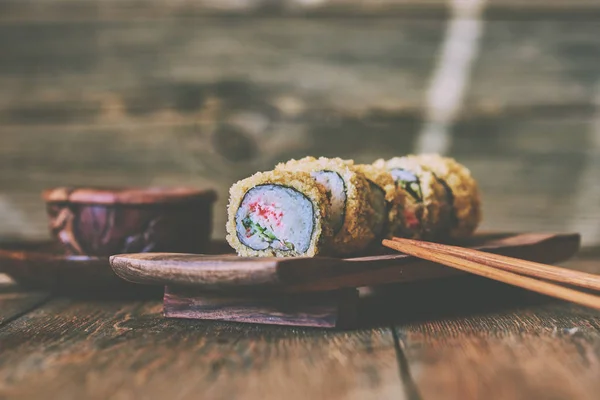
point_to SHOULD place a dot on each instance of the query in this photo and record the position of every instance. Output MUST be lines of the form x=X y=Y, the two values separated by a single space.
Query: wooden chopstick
x=473 y=267
x=522 y=267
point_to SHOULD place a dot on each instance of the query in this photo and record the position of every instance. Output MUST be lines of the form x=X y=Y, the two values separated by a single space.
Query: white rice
x=336 y=192
x=282 y=218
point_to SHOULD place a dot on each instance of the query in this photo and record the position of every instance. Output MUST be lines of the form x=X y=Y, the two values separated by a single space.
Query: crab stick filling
x=278 y=217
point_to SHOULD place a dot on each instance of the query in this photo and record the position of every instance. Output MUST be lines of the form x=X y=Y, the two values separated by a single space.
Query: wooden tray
x=43 y=265
x=304 y=291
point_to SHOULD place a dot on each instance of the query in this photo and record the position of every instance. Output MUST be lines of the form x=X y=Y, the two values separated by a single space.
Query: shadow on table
x=443 y=298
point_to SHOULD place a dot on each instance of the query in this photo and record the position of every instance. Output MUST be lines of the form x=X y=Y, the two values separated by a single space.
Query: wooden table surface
x=466 y=338
x=201 y=93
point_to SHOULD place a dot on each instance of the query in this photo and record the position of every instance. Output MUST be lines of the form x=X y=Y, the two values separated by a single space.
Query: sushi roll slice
x=351 y=214
x=461 y=189
x=387 y=201
x=278 y=213
x=427 y=212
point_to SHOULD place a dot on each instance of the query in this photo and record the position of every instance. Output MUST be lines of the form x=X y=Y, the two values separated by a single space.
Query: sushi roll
x=351 y=215
x=387 y=201
x=461 y=190
x=427 y=212
x=278 y=213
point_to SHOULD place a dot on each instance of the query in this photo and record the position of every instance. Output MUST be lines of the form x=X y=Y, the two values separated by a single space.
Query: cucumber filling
x=254 y=228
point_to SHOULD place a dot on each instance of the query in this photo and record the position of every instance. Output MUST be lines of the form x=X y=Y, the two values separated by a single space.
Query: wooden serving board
x=43 y=265
x=292 y=275
x=318 y=292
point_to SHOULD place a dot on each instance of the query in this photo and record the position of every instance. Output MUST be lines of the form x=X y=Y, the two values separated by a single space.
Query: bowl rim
x=128 y=195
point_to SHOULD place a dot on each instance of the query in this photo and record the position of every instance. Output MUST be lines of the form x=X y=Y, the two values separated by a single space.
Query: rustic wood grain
x=100 y=350
x=105 y=74
x=545 y=352
x=231 y=273
x=337 y=309
x=15 y=303
x=229 y=97
x=171 y=100
x=501 y=342
x=149 y=92
x=482 y=340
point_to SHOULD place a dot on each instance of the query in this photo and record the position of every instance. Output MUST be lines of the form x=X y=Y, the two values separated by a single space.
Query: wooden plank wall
x=150 y=92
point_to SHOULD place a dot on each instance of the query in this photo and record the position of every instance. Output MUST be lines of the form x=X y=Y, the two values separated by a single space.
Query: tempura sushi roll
x=387 y=201
x=426 y=210
x=348 y=194
x=462 y=190
x=278 y=213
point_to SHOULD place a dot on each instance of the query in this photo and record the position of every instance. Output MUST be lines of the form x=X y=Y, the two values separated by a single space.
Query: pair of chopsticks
x=513 y=271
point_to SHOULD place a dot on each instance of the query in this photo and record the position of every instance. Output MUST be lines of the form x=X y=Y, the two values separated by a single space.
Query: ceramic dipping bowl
x=107 y=221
